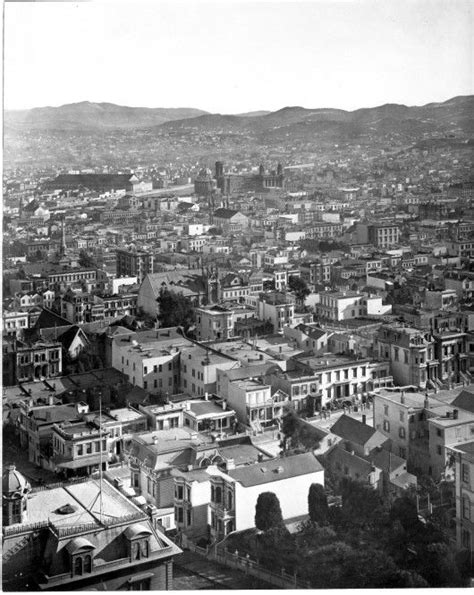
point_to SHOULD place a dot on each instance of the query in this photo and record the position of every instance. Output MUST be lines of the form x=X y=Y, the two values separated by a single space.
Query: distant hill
x=87 y=133
x=95 y=115
x=454 y=113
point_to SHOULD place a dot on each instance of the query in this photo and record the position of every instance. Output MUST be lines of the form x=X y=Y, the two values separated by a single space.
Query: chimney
x=206 y=396
x=188 y=406
x=230 y=464
x=50 y=400
x=402 y=397
x=155 y=439
x=455 y=413
x=364 y=419
x=426 y=404
x=224 y=405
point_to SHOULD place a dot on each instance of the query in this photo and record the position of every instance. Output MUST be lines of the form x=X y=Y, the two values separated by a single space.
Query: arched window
x=218 y=495
x=229 y=500
x=87 y=563
x=78 y=565
x=136 y=551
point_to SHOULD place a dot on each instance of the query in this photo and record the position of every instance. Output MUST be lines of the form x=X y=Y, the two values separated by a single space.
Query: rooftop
x=276 y=470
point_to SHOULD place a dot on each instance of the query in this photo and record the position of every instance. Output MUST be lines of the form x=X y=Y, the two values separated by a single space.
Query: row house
x=276 y=308
x=25 y=362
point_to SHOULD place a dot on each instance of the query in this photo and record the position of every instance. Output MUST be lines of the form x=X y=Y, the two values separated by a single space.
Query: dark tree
x=289 y=427
x=268 y=512
x=86 y=260
x=318 y=504
x=269 y=285
x=299 y=286
x=404 y=510
x=175 y=309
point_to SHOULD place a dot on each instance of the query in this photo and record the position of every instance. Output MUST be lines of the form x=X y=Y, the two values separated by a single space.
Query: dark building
x=134 y=264
x=204 y=184
x=229 y=183
x=97 y=182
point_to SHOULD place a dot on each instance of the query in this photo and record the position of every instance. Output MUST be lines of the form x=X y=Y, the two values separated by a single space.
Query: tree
x=404 y=510
x=268 y=512
x=289 y=427
x=299 y=286
x=317 y=504
x=85 y=259
x=175 y=309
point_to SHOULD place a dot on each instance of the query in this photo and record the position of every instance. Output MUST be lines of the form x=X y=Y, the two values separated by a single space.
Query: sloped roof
x=225 y=213
x=465 y=400
x=49 y=319
x=353 y=430
x=185 y=281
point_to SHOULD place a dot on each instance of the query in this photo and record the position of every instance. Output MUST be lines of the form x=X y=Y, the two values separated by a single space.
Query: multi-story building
x=213 y=323
x=276 y=308
x=80 y=536
x=79 y=448
x=421 y=429
x=463 y=455
x=134 y=263
x=14 y=322
x=234 y=492
x=230 y=220
x=411 y=353
x=24 y=362
x=383 y=235
x=151 y=359
x=199 y=367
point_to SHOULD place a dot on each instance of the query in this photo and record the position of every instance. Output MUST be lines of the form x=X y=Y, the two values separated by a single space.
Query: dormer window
x=139 y=542
x=81 y=551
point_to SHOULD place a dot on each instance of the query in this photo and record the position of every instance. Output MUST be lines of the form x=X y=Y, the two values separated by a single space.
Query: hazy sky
x=232 y=57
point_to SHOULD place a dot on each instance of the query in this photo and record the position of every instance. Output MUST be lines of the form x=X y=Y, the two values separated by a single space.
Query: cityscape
x=238 y=343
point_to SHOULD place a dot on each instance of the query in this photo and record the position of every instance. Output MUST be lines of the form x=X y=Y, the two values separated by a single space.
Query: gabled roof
x=225 y=213
x=49 y=319
x=353 y=430
x=465 y=400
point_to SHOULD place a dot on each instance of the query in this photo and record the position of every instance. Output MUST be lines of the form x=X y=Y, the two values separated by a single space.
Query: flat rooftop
x=82 y=499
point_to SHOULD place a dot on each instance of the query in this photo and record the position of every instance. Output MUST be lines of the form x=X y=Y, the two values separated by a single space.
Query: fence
x=283 y=580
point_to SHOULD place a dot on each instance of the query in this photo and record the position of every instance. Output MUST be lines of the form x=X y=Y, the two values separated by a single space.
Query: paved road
x=192 y=571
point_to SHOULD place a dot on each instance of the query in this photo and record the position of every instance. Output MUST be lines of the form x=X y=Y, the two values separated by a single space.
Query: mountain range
x=454 y=113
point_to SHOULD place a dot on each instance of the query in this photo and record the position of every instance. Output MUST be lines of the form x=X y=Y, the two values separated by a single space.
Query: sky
x=233 y=56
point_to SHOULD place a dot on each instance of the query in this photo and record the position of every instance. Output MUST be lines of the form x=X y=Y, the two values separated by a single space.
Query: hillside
x=87 y=115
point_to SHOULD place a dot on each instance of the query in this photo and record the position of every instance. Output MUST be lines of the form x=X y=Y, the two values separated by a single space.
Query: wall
x=292 y=494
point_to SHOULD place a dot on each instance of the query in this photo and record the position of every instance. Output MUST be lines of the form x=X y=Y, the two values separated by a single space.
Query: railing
x=283 y=579
x=7 y=531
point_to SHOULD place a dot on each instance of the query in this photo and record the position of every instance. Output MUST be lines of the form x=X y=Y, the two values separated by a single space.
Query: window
x=405 y=353
x=466 y=508
x=89 y=448
x=402 y=452
x=402 y=416
x=439 y=450
x=145 y=384
x=179 y=514
x=78 y=566
x=179 y=492
x=386 y=426
x=189 y=517
x=155 y=369
x=385 y=409
x=145 y=370
x=80 y=450
x=401 y=432
x=466 y=539
x=465 y=473
x=439 y=432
